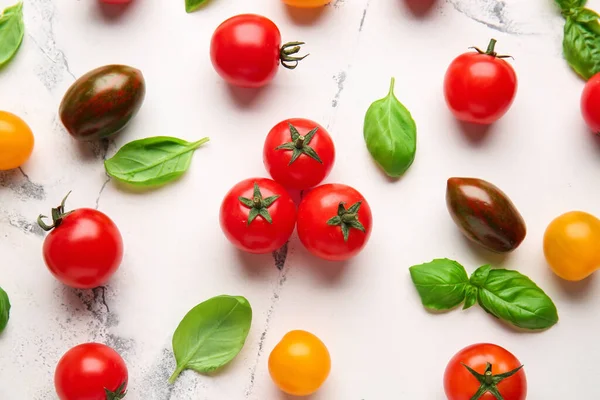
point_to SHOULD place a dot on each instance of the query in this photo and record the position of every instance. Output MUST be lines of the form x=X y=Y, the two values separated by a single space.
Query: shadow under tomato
x=329 y=272
x=475 y=134
x=285 y=396
x=595 y=138
x=256 y=266
x=246 y=97
x=419 y=8
x=485 y=256
x=305 y=16
x=578 y=291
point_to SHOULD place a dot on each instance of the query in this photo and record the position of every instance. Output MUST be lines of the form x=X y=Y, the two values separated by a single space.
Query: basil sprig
x=12 y=30
x=581 y=42
x=4 y=309
x=508 y=295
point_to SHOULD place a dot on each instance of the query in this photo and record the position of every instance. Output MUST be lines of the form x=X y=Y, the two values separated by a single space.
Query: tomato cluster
x=258 y=215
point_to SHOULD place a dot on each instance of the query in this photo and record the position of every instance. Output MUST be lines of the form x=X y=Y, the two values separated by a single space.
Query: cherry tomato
x=84 y=249
x=300 y=363
x=258 y=215
x=306 y=3
x=572 y=245
x=298 y=153
x=590 y=103
x=87 y=371
x=246 y=50
x=334 y=222
x=480 y=86
x=16 y=141
x=486 y=362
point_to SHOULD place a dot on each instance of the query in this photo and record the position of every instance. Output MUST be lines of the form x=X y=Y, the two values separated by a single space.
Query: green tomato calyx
x=489 y=381
x=58 y=215
x=347 y=219
x=258 y=205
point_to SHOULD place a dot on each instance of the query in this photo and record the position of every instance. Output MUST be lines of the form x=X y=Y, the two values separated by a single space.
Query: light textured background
x=384 y=345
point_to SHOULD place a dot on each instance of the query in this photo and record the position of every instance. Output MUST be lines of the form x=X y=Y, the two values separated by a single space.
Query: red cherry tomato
x=258 y=215
x=590 y=103
x=115 y=1
x=87 y=371
x=298 y=153
x=480 y=86
x=246 y=50
x=84 y=249
x=487 y=361
x=334 y=222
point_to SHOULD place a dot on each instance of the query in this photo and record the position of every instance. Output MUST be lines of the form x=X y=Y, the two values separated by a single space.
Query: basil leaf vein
x=513 y=297
x=12 y=30
x=441 y=283
x=152 y=161
x=211 y=334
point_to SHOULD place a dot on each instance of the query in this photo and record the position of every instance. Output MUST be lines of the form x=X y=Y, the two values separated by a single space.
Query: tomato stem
x=299 y=144
x=258 y=205
x=347 y=219
x=491 y=50
x=117 y=394
x=286 y=54
x=58 y=214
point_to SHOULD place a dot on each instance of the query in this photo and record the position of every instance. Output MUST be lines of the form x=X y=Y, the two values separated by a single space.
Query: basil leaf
x=390 y=134
x=193 y=5
x=4 y=309
x=581 y=44
x=211 y=334
x=12 y=30
x=152 y=161
x=441 y=283
x=513 y=297
x=566 y=5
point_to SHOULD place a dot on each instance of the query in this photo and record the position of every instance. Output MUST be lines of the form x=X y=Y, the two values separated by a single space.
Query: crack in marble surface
x=496 y=14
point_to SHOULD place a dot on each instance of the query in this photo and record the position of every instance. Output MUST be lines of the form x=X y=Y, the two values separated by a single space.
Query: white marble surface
x=384 y=345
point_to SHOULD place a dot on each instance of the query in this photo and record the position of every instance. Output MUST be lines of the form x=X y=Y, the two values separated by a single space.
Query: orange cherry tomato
x=16 y=141
x=572 y=245
x=306 y=3
x=300 y=363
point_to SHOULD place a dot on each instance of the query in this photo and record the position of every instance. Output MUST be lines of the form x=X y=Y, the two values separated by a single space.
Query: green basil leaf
x=441 y=283
x=567 y=5
x=4 y=309
x=12 y=30
x=193 y=5
x=211 y=334
x=152 y=161
x=581 y=45
x=390 y=134
x=470 y=297
x=514 y=298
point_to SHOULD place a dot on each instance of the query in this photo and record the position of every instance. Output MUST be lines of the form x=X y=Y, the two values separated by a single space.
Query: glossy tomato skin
x=485 y=214
x=305 y=172
x=479 y=88
x=86 y=370
x=16 y=141
x=244 y=50
x=85 y=250
x=258 y=236
x=102 y=102
x=460 y=384
x=307 y=3
x=327 y=241
x=572 y=245
x=590 y=103
x=300 y=363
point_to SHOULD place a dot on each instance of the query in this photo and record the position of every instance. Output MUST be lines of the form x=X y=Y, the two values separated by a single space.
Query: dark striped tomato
x=102 y=102
x=485 y=214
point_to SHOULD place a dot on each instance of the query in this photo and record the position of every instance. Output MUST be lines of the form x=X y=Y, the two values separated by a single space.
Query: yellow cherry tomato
x=300 y=363
x=16 y=141
x=306 y=3
x=572 y=245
